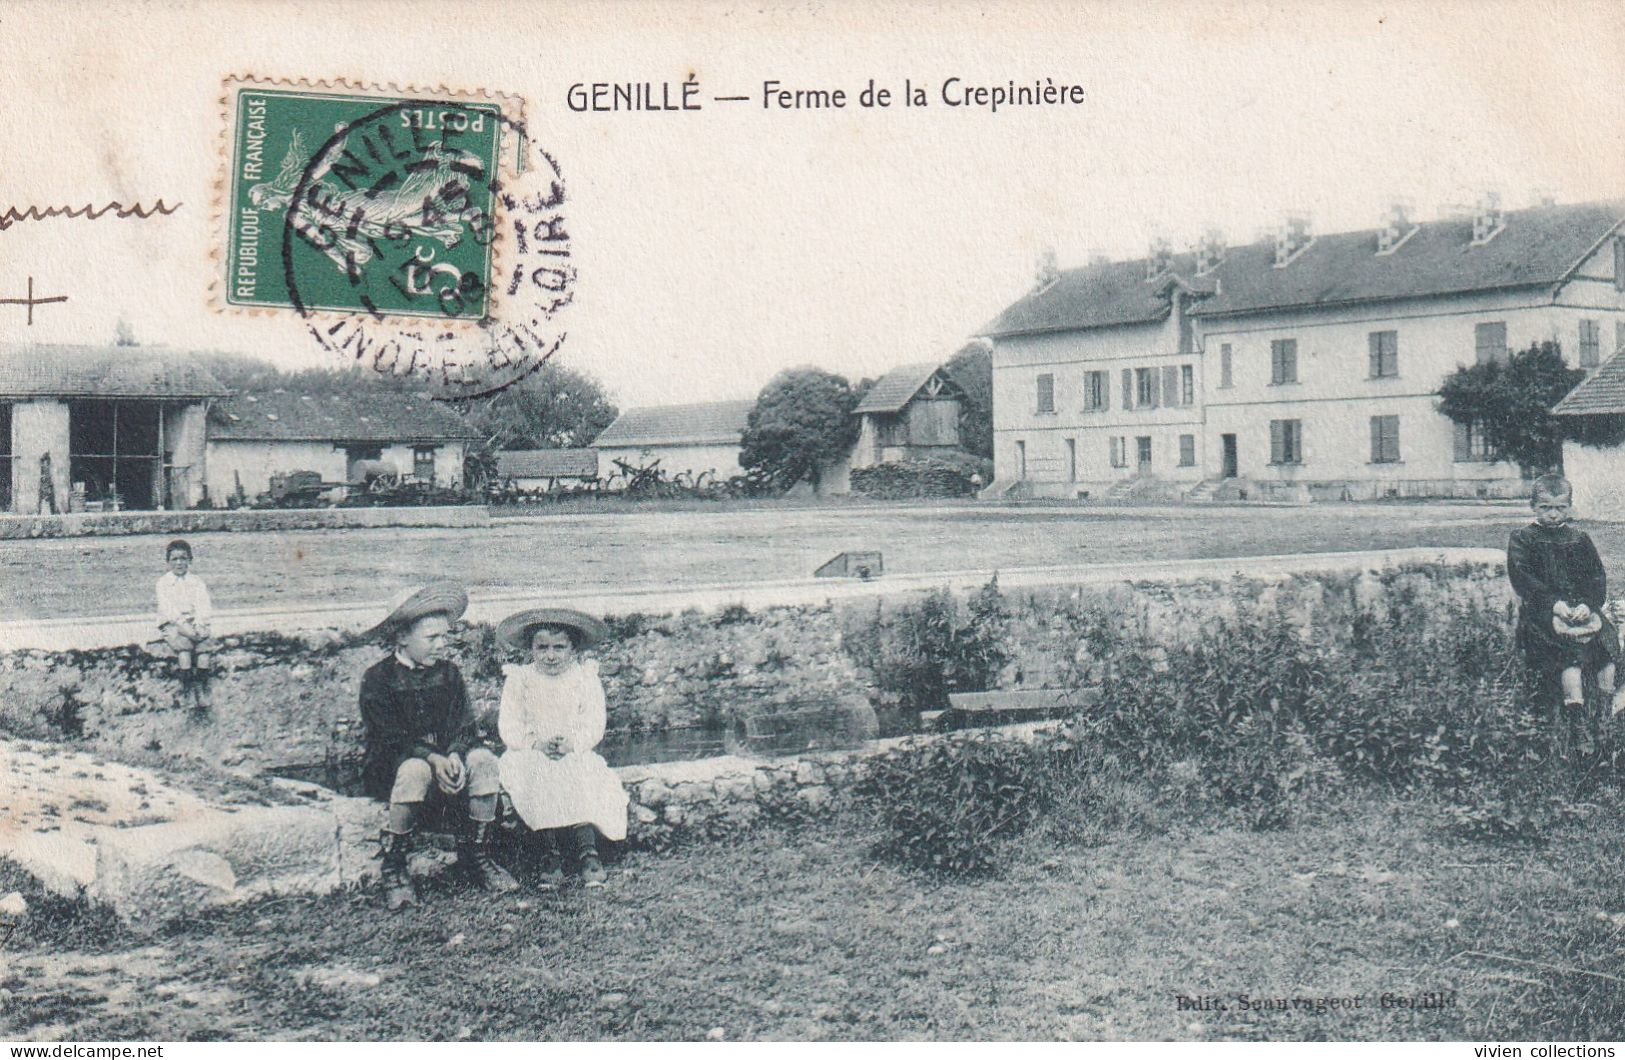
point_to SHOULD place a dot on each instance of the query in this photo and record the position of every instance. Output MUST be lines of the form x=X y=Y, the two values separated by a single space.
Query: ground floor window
x=1119 y=446
x=1286 y=441
x=1142 y=450
x=1021 y=460
x=1472 y=446
x=1385 y=439
x=1187 y=450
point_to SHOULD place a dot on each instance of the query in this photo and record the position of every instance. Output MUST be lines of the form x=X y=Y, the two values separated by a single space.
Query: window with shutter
x=1224 y=366
x=1284 y=361
x=1384 y=361
x=1128 y=389
x=1119 y=458
x=1170 y=385
x=1187 y=450
x=1384 y=439
x=1145 y=388
x=1286 y=441
x=1590 y=343
x=1046 y=393
x=1490 y=341
x=1187 y=384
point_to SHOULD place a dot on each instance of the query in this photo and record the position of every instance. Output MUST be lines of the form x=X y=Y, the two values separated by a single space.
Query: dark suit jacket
x=411 y=713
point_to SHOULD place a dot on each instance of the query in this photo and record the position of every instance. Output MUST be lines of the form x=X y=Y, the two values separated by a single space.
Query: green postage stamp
x=358 y=201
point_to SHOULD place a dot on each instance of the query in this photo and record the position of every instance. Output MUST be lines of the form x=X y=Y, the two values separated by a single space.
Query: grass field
x=805 y=936
x=673 y=549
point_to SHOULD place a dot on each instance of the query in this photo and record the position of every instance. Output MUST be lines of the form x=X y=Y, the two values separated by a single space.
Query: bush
x=922 y=651
x=953 y=805
x=932 y=477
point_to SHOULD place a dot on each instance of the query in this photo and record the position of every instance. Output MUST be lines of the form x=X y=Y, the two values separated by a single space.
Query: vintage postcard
x=812 y=522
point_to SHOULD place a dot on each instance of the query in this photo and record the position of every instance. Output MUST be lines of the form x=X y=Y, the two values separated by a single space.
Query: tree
x=1510 y=403
x=972 y=369
x=554 y=407
x=802 y=421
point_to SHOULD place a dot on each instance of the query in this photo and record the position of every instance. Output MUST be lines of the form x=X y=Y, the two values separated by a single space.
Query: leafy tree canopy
x=554 y=407
x=802 y=421
x=972 y=369
x=1510 y=403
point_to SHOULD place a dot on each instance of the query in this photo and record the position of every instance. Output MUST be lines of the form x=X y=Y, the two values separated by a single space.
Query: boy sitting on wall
x=1562 y=596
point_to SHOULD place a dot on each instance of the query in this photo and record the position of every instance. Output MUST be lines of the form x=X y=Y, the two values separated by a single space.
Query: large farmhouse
x=1303 y=366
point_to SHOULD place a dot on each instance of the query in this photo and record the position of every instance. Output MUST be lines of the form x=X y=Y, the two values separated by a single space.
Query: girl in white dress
x=552 y=716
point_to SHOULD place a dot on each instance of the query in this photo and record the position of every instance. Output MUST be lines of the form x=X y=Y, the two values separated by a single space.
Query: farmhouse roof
x=289 y=416
x=1536 y=247
x=707 y=423
x=1600 y=393
x=897 y=387
x=29 y=370
x=547 y=463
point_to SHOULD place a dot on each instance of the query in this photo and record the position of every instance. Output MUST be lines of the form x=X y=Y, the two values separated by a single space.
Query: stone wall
x=92 y=524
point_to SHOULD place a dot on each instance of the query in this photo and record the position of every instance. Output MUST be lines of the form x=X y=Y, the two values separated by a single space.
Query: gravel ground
x=675 y=549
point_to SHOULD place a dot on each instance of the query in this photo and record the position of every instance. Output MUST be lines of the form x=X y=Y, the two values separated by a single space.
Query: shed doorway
x=115 y=451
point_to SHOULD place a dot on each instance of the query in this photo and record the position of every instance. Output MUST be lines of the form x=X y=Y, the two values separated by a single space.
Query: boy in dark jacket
x=1562 y=595
x=422 y=741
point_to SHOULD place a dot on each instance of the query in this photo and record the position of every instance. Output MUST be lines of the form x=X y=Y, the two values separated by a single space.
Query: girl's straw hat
x=515 y=630
x=444 y=597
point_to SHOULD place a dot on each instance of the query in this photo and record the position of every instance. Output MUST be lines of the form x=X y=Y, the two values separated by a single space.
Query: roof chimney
x=1292 y=238
x=1160 y=260
x=1397 y=227
x=1210 y=252
x=1487 y=218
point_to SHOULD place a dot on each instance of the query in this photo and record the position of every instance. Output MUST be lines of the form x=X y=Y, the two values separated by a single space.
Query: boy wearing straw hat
x=422 y=741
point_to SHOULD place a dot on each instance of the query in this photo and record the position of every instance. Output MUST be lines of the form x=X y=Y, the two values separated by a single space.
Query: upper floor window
x=1046 y=393
x=1096 y=394
x=1224 y=366
x=1187 y=384
x=1145 y=388
x=1384 y=354
x=1490 y=341
x=1385 y=439
x=1590 y=343
x=1284 y=361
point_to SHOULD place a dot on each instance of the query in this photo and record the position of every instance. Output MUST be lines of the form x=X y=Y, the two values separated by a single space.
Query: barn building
x=695 y=439
x=114 y=427
x=911 y=413
x=256 y=434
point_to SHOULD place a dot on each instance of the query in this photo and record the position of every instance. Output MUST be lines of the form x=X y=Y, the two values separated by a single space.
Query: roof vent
x=1292 y=239
x=1397 y=227
x=1210 y=252
x=1160 y=260
x=1488 y=220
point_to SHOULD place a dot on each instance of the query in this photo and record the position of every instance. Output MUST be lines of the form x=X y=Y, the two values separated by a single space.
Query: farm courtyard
x=649 y=548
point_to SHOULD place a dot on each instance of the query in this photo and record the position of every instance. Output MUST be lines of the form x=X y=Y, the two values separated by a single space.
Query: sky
x=717 y=248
